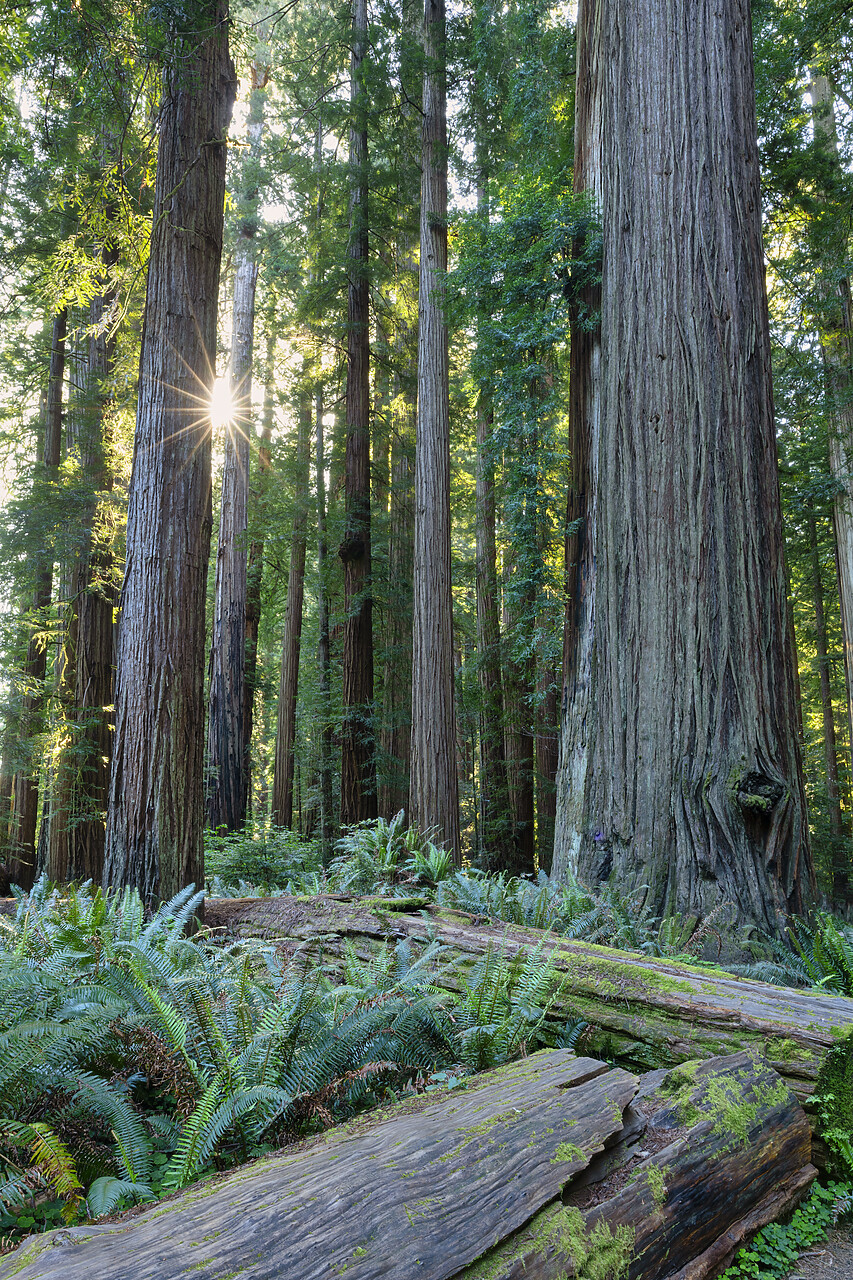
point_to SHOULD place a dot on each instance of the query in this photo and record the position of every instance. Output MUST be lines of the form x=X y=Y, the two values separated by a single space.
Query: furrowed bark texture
x=358 y=755
x=836 y=341
x=96 y=597
x=156 y=813
x=680 y=761
x=25 y=790
x=494 y=792
x=226 y=741
x=324 y=662
x=255 y=569
x=840 y=886
x=288 y=690
x=433 y=791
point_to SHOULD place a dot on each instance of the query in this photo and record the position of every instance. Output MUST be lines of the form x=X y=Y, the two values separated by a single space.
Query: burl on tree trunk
x=550 y=1167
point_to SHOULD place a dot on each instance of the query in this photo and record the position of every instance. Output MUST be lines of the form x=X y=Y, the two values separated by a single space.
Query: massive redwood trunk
x=156 y=809
x=680 y=766
x=433 y=794
x=25 y=789
x=227 y=743
x=358 y=754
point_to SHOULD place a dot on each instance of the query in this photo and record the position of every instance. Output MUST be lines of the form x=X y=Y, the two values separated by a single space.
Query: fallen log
x=643 y=1013
x=549 y=1167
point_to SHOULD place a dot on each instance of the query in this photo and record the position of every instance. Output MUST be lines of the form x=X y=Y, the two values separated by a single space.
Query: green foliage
x=260 y=859
x=775 y=1249
x=135 y=1059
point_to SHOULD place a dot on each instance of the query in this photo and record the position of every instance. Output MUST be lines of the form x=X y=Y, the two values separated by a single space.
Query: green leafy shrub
x=381 y=857
x=261 y=860
x=775 y=1249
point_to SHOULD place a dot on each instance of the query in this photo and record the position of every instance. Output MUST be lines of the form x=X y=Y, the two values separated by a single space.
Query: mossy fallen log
x=550 y=1167
x=644 y=1013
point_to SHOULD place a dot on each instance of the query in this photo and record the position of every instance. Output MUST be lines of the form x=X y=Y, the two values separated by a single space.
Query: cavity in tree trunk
x=433 y=794
x=25 y=790
x=680 y=765
x=156 y=810
x=285 y=736
x=358 y=755
x=226 y=742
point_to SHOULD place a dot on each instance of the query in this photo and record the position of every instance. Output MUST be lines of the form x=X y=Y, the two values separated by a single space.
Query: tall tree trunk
x=255 y=569
x=840 y=877
x=680 y=765
x=226 y=741
x=518 y=676
x=25 y=791
x=547 y=754
x=156 y=802
x=285 y=737
x=324 y=660
x=836 y=341
x=495 y=818
x=396 y=687
x=358 y=754
x=433 y=795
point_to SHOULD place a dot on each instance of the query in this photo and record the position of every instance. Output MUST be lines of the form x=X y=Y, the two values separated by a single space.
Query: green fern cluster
x=134 y=1059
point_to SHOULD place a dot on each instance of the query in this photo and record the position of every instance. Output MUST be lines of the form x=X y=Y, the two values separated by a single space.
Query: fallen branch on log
x=549 y=1167
x=645 y=1013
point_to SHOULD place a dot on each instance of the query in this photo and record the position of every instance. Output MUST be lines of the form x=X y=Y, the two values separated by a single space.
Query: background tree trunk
x=680 y=760
x=433 y=796
x=255 y=569
x=285 y=737
x=226 y=744
x=358 y=754
x=324 y=661
x=156 y=812
x=25 y=790
x=836 y=342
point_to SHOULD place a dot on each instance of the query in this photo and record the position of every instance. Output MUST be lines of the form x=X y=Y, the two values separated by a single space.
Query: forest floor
x=830 y=1260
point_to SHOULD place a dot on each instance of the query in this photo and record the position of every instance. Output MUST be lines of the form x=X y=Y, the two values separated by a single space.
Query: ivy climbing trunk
x=433 y=793
x=228 y=759
x=680 y=766
x=25 y=788
x=156 y=810
x=285 y=736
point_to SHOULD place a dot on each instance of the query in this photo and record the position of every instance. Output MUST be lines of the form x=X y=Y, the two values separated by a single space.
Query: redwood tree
x=680 y=766
x=156 y=802
x=433 y=792
x=358 y=755
x=228 y=755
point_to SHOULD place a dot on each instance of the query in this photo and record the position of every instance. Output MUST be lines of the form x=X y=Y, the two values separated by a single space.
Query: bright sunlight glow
x=221 y=404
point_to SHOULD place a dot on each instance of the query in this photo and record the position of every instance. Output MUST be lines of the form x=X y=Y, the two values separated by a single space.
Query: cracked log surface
x=552 y=1166
x=645 y=1013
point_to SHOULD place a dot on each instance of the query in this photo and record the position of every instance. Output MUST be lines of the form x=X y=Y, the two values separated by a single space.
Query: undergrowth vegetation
x=386 y=859
x=135 y=1059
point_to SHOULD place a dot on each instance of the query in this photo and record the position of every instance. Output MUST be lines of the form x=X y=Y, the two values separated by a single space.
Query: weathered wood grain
x=420 y=1194
x=484 y=1184
x=645 y=1013
x=685 y=1209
